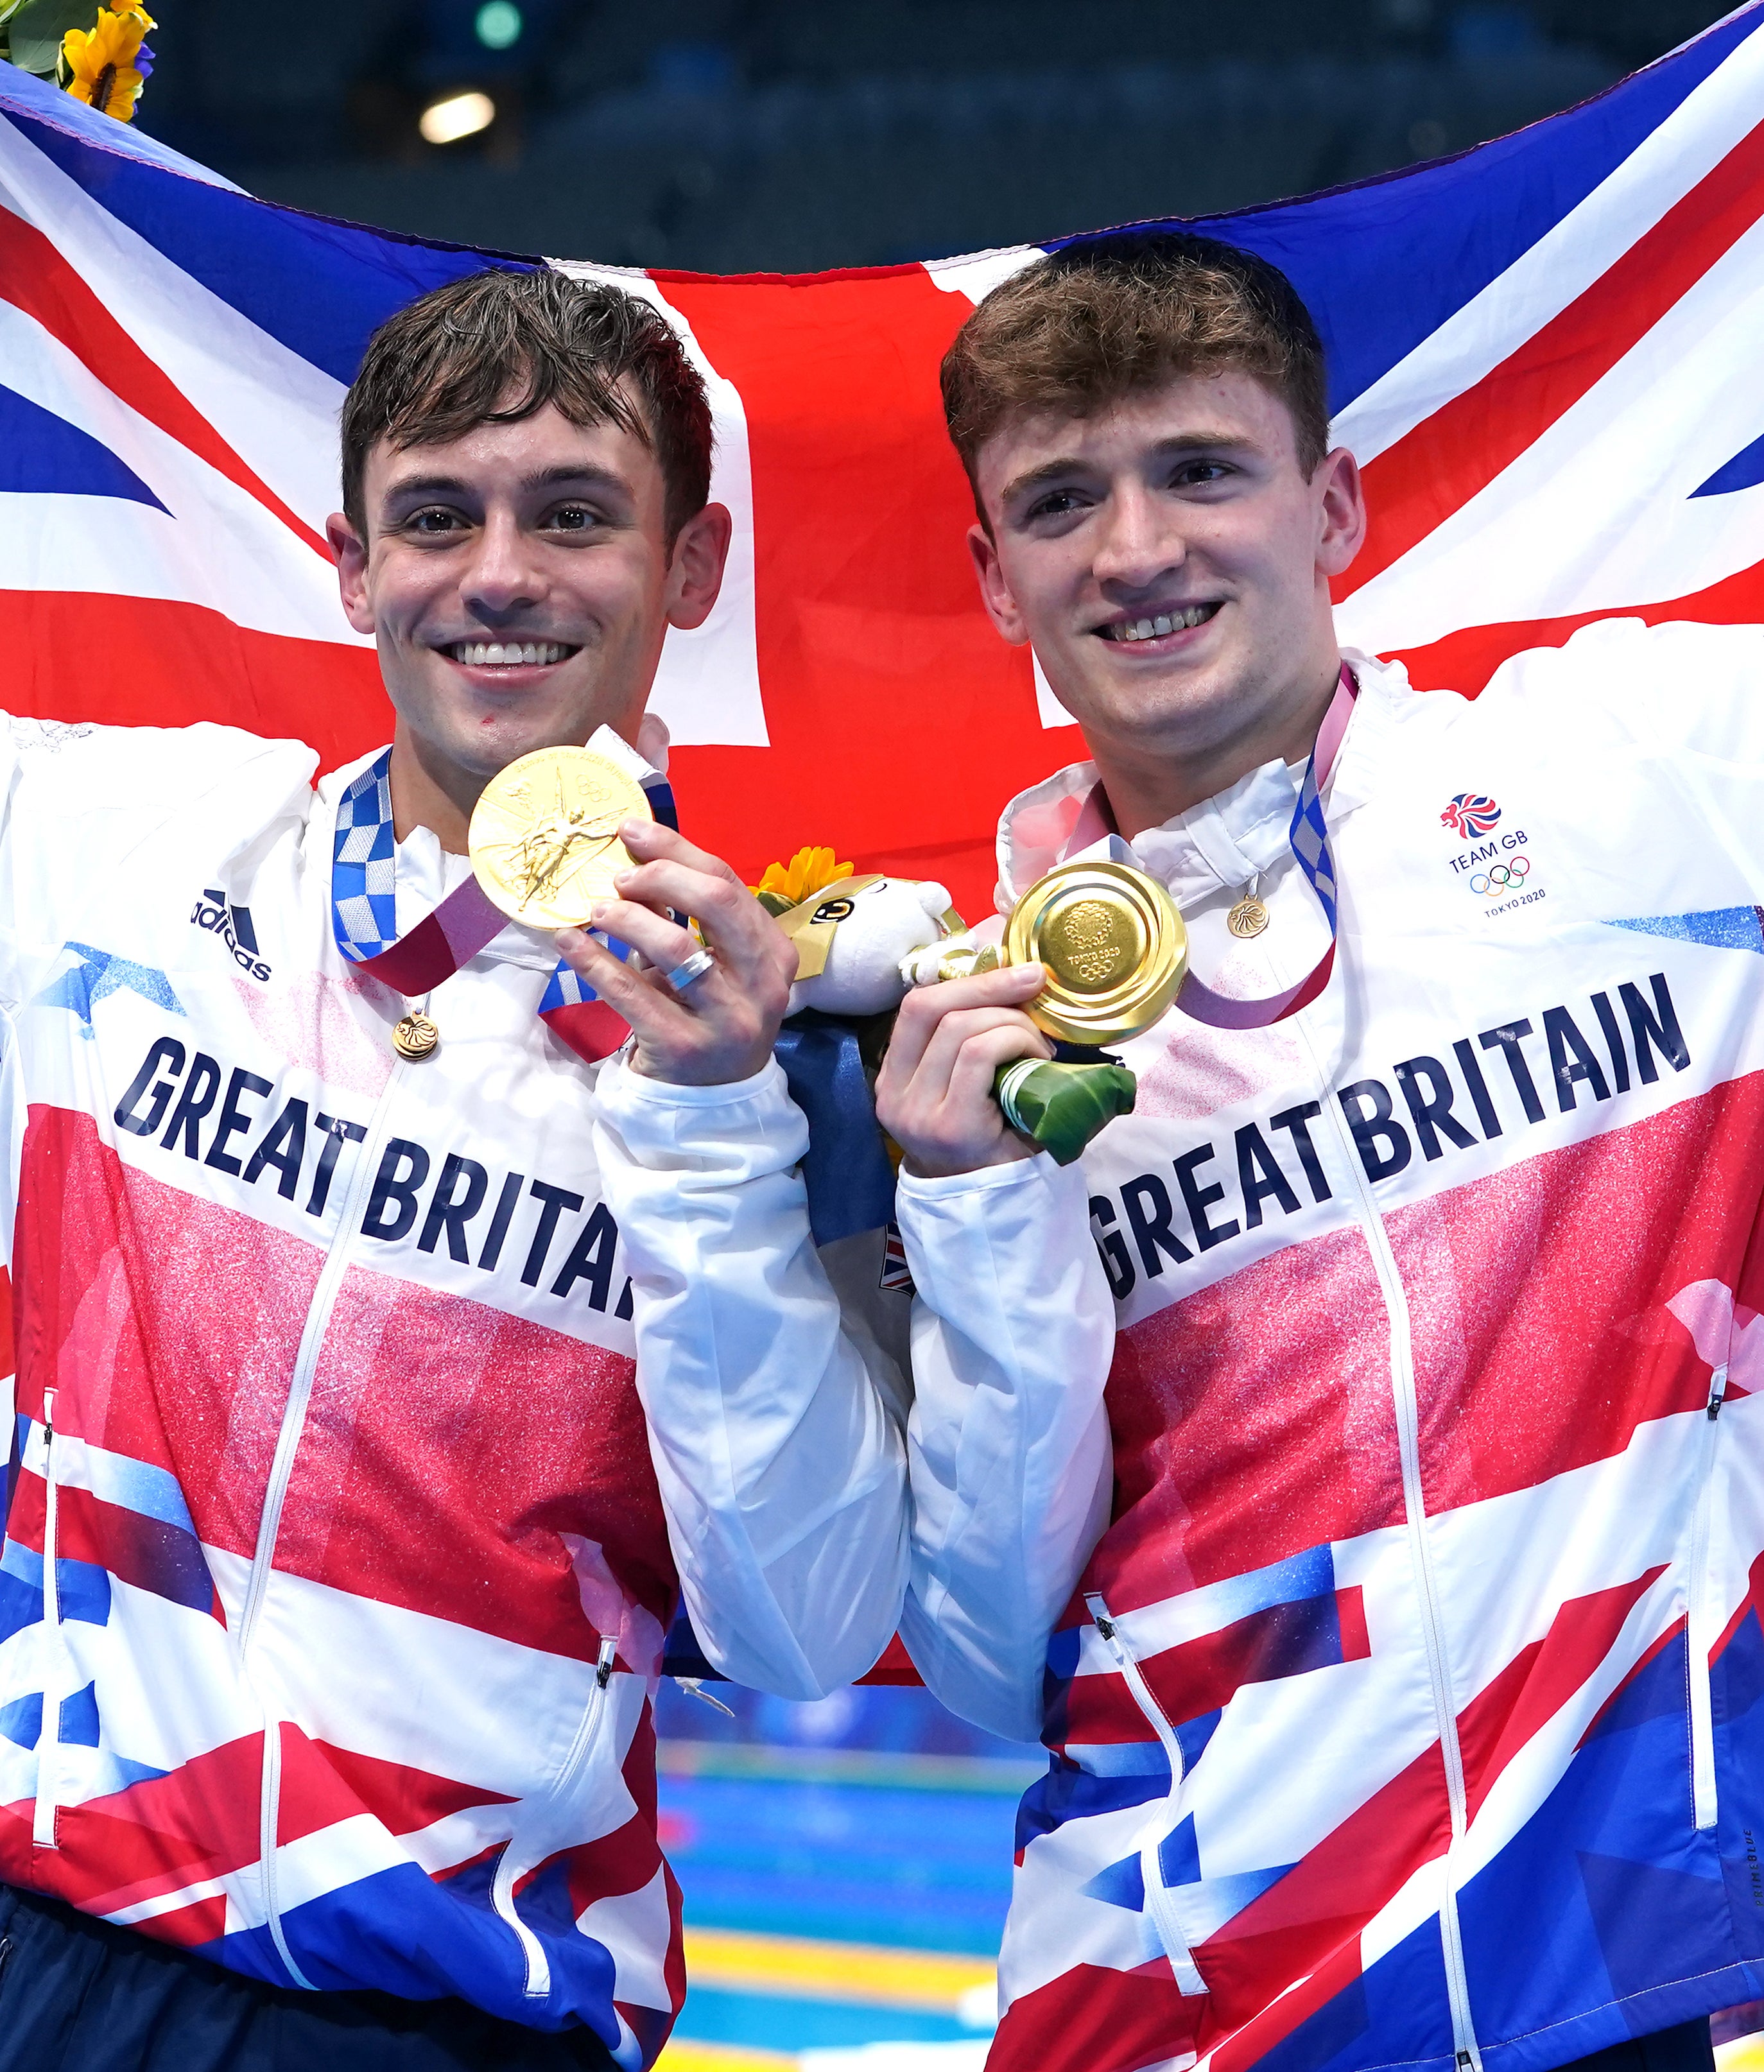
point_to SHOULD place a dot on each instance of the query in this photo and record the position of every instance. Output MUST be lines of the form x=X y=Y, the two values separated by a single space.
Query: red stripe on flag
x=36 y=278
x=1091 y=2019
x=1505 y=1715
x=1464 y=661
x=892 y=705
x=1436 y=468
x=135 y=661
x=1577 y=1288
x=404 y=1801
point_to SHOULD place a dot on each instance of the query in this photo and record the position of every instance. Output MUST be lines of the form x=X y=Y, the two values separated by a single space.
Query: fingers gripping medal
x=1113 y=947
x=1115 y=951
x=545 y=835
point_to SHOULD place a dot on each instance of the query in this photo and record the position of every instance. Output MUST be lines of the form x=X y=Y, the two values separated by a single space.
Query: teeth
x=503 y=654
x=1153 y=629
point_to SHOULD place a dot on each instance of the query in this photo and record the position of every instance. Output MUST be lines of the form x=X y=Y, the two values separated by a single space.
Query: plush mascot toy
x=862 y=942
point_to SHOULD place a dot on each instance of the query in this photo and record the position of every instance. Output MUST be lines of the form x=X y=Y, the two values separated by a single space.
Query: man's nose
x=1140 y=539
x=505 y=574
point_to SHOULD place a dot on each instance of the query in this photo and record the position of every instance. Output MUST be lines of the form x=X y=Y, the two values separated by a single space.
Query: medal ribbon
x=1309 y=835
x=364 y=911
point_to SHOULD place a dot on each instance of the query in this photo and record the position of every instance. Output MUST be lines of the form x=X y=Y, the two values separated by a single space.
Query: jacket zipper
x=1157 y=1901
x=1466 y=2051
x=47 y=1807
x=1699 y=1636
x=294 y=1419
x=502 y=1891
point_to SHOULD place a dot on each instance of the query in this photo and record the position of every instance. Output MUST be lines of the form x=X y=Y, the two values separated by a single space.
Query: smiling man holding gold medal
x=1366 y=1522
x=340 y=1550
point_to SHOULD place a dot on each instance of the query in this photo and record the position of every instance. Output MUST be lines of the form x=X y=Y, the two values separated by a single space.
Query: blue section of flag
x=1720 y=928
x=43 y=454
x=80 y=1718
x=99 y=973
x=22 y=1721
x=1744 y=470
x=1178 y=1854
x=1120 y=1884
x=1068 y=1793
x=321 y=288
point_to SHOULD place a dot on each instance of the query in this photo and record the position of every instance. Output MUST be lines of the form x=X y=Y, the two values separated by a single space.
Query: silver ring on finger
x=688 y=973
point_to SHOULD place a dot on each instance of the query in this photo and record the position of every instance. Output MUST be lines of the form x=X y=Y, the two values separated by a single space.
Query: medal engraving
x=545 y=835
x=1113 y=947
x=1247 y=918
x=1089 y=944
x=414 y=1038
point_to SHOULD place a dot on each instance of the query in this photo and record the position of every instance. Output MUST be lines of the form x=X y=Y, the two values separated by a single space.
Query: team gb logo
x=1471 y=814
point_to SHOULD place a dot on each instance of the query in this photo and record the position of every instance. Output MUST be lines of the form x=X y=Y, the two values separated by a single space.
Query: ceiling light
x=459 y=115
x=498 y=24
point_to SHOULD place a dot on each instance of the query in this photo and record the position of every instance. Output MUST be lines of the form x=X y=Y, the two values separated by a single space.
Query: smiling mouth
x=508 y=654
x=1129 y=630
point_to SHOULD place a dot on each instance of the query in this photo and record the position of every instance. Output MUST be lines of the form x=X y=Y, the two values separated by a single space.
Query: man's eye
x=571 y=518
x=1197 y=474
x=433 y=521
x=1057 y=503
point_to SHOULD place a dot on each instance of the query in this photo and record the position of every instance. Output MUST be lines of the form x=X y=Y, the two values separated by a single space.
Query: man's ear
x=351 y=556
x=994 y=591
x=695 y=568
x=1343 y=512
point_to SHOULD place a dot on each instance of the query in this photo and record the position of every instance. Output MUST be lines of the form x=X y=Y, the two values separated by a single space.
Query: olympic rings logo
x=1501 y=877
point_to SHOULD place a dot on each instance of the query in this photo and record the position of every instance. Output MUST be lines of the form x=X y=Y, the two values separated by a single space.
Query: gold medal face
x=545 y=835
x=1113 y=945
x=1247 y=918
x=414 y=1038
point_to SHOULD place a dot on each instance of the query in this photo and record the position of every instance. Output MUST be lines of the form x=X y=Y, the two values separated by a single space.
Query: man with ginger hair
x=1401 y=1679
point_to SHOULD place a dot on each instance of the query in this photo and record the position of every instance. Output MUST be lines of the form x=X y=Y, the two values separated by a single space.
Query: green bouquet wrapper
x=1060 y=1108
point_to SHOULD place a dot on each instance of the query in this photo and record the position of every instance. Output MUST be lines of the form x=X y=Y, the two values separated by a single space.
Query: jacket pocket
x=42 y=1821
x=1702 y=1613
x=1158 y=1901
x=516 y=1859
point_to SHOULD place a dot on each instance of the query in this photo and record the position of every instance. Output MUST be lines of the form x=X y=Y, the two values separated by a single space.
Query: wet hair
x=1094 y=323
x=494 y=347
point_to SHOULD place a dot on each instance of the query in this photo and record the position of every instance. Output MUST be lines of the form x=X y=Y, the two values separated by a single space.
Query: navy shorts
x=78 y=1995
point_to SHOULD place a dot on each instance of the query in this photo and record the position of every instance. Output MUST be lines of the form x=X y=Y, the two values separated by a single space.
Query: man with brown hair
x=339 y=1549
x=1408 y=1707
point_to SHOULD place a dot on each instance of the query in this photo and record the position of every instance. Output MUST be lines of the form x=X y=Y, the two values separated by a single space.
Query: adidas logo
x=232 y=925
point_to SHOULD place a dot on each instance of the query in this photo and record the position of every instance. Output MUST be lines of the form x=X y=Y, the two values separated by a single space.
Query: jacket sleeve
x=1012 y=1336
x=775 y=1417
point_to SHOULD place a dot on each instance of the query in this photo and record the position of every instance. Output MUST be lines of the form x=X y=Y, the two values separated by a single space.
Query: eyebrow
x=579 y=473
x=1070 y=464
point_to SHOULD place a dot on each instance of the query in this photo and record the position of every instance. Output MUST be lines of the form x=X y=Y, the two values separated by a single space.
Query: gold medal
x=414 y=1038
x=1113 y=947
x=545 y=835
x=1247 y=918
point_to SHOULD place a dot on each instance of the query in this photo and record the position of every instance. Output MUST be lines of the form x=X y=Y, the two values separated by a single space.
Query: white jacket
x=1410 y=1710
x=336 y=1570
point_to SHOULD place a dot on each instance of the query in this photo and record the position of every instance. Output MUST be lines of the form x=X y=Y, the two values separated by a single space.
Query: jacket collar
x=1223 y=842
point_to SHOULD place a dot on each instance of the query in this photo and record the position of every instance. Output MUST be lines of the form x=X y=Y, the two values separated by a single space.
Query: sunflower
x=807 y=871
x=106 y=66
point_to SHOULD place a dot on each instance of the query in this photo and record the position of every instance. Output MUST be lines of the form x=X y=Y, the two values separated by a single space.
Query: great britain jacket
x=1409 y=1709
x=336 y=1570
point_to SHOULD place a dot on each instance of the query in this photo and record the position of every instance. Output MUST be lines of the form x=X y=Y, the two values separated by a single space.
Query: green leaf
x=36 y=30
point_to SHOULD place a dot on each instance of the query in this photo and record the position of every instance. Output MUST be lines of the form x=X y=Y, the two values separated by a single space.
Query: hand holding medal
x=563 y=839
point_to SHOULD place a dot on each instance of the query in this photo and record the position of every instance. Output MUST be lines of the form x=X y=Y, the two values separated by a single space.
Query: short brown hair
x=493 y=347
x=1097 y=321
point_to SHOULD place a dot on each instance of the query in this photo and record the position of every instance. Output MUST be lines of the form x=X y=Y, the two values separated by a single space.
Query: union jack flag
x=1542 y=352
